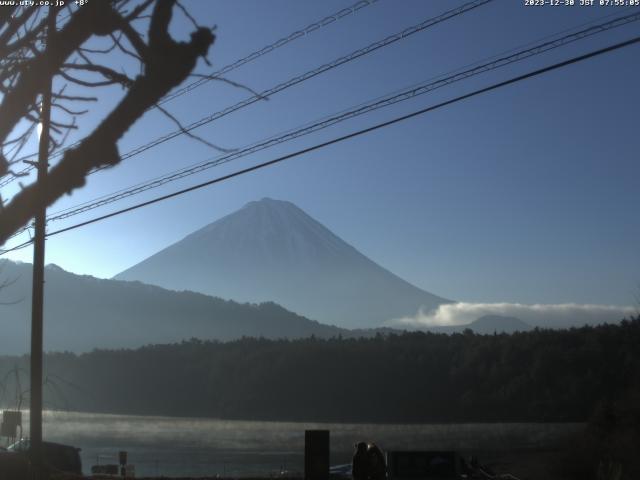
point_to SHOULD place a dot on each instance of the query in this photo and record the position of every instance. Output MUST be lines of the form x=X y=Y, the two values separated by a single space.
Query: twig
x=232 y=83
x=191 y=135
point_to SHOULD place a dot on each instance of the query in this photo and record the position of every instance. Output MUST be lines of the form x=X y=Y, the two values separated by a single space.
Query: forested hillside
x=541 y=375
x=84 y=312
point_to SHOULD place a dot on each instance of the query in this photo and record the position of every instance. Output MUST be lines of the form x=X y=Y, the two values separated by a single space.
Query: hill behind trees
x=84 y=312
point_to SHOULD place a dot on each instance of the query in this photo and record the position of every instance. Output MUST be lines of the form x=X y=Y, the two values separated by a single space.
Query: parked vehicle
x=56 y=456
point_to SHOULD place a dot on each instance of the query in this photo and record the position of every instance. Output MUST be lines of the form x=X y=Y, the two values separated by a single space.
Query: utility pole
x=37 y=296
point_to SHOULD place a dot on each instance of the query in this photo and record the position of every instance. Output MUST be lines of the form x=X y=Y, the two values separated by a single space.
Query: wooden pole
x=37 y=299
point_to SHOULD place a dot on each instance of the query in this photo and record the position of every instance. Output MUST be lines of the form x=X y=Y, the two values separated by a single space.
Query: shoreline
x=157 y=416
x=525 y=464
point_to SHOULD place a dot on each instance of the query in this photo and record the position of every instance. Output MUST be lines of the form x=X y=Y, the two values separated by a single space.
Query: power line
x=17 y=247
x=302 y=32
x=289 y=83
x=403 y=95
x=407 y=32
x=293 y=81
x=358 y=133
x=329 y=19
x=503 y=55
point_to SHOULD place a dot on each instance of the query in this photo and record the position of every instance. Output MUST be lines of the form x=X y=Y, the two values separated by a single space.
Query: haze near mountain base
x=270 y=250
x=83 y=312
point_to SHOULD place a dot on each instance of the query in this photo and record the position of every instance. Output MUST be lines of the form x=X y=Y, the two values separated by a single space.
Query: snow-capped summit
x=270 y=250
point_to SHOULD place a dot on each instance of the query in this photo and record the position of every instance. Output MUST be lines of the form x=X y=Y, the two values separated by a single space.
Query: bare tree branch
x=106 y=72
x=167 y=63
x=92 y=19
x=190 y=134
x=68 y=110
x=75 y=98
x=232 y=83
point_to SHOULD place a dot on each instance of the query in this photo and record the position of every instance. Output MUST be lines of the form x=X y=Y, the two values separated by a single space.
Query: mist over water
x=198 y=447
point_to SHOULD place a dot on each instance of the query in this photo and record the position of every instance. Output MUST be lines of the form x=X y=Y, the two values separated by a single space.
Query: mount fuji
x=271 y=250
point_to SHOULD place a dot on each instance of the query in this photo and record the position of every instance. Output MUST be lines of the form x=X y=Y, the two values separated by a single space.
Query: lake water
x=199 y=447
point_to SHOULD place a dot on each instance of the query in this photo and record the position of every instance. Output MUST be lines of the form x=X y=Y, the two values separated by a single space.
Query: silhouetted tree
x=27 y=62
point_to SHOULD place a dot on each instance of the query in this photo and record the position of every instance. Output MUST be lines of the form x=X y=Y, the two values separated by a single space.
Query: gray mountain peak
x=271 y=250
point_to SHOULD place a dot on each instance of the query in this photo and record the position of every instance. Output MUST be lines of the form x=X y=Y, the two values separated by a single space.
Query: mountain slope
x=271 y=250
x=83 y=313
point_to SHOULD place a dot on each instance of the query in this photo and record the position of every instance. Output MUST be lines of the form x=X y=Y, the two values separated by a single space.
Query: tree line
x=541 y=375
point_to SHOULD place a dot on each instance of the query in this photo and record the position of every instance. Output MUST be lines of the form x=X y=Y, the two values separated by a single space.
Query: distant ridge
x=270 y=250
x=499 y=324
x=83 y=313
x=487 y=324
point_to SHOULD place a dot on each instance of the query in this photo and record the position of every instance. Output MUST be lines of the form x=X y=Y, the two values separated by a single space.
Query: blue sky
x=526 y=194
